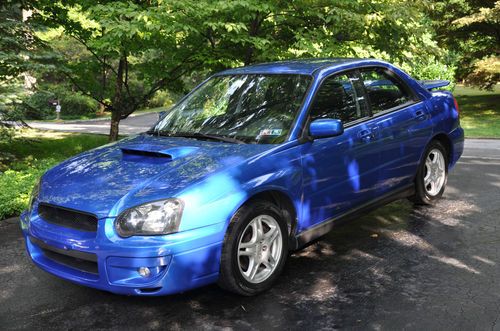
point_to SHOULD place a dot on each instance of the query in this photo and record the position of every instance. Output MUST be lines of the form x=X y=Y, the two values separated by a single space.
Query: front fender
x=219 y=196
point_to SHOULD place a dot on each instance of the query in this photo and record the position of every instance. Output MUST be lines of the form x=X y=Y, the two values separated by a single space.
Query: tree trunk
x=115 y=122
x=252 y=32
x=116 y=112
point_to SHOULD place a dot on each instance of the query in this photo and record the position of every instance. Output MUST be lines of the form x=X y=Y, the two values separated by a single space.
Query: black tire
x=422 y=196
x=230 y=277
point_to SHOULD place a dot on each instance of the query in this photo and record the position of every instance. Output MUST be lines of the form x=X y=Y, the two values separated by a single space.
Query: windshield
x=242 y=108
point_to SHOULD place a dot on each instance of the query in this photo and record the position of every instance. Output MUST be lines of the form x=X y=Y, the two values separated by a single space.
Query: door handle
x=420 y=115
x=365 y=134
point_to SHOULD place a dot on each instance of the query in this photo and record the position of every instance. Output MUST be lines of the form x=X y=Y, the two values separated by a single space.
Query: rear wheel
x=432 y=175
x=255 y=249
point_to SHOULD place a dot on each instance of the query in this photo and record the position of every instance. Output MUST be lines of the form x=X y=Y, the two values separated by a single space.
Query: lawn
x=479 y=111
x=30 y=154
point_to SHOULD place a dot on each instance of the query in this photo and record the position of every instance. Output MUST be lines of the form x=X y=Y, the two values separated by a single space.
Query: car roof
x=298 y=66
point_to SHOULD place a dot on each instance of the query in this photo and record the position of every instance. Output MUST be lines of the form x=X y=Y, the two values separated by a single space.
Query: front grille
x=86 y=262
x=67 y=217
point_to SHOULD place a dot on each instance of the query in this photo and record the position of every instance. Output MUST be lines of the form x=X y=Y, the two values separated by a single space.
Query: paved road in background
x=136 y=123
x=400 y=267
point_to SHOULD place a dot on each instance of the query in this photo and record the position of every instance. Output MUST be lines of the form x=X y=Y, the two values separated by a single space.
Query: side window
x=340 y=97
x=383 y=90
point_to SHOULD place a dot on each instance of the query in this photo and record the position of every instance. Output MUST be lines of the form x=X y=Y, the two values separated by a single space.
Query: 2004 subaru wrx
x=255 y=162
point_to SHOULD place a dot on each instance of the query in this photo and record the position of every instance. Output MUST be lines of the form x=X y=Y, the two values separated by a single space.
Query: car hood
x=109 y=179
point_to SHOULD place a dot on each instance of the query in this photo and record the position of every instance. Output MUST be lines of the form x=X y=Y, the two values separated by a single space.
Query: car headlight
x=154 y=218
x=34 y=195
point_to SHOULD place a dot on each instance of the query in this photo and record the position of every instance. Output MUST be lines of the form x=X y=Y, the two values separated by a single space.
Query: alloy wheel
x=435 y=172
x=259 y=249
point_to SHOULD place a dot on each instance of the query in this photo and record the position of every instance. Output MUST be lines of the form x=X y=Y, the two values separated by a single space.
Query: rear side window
x=340 y=97
x=384 y=91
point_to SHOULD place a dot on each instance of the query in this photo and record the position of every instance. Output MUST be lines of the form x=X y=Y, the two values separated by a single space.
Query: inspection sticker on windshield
x=270 y=132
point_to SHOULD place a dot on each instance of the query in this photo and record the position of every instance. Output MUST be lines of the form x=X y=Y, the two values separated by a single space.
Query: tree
x=20 y=52
x=470 y=29
x=121 y=43
x=128 y=50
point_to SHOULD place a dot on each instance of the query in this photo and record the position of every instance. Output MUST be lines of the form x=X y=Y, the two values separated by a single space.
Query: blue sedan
x=254 y=163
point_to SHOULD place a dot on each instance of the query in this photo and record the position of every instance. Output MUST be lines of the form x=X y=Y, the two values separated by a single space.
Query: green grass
x=479 y=111
x=29 y=154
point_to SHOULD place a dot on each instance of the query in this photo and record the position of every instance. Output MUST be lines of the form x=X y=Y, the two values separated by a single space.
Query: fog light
x=144 y=271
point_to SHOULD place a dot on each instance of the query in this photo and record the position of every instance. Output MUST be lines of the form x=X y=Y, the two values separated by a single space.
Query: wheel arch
x=443 y=139
x=284 y=202
x=446 y=141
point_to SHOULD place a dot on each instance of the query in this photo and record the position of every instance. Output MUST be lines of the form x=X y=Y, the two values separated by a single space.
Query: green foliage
x=161 y=99
x=20 y=49
x=11 y=94
x=20 y=52
x=126 y=54
x=16 y=187
x=485 y=73
x=432 y=69
x=31 y=153
x=36 y=107
x=73 y=104
x=6 y=134
x=121 y=53
x=76 y=104
x=469 y=29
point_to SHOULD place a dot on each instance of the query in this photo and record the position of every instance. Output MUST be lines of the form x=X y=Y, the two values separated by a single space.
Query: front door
x=339 y=172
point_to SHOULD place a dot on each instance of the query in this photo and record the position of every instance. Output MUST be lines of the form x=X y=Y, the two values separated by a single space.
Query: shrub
x=36 y=107
x=76 y=104
x=432 y=69
x=161 y=99
x=486 y=73
x=73 y=104
x=17 y=185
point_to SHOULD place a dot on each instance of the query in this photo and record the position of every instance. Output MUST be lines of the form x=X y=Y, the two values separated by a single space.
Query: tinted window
x=383 y=90
x=339 y=97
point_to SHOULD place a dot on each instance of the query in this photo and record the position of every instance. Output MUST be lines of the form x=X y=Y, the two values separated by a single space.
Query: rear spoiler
x=432 y=84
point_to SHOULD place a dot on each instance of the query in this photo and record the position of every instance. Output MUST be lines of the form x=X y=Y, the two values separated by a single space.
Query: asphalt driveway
x=399 y=267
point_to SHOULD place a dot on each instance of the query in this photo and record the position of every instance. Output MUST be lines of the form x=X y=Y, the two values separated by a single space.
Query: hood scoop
x=154 y=154
x=146 y=153
x=144 y=156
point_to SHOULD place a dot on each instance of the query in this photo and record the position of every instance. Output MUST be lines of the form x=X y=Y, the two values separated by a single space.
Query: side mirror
x=326 y=127
x=162 y=114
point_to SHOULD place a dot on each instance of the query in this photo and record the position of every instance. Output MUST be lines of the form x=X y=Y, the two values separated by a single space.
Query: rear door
x=402 y=127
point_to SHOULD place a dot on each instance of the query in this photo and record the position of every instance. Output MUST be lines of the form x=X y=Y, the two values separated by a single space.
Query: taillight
x=456 y=105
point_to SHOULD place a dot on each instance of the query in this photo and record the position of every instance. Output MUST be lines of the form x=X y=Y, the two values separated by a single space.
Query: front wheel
x=255 y=249
x=432 y=174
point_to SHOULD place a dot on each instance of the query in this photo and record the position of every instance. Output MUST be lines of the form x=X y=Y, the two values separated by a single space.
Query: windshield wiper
x=201 y=136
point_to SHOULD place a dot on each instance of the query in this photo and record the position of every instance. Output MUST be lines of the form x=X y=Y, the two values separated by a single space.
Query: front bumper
x=102 y=260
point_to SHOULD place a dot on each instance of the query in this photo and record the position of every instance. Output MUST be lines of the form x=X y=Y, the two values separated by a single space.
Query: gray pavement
x=400 y=267
x=482 y=148
x=135 y=123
